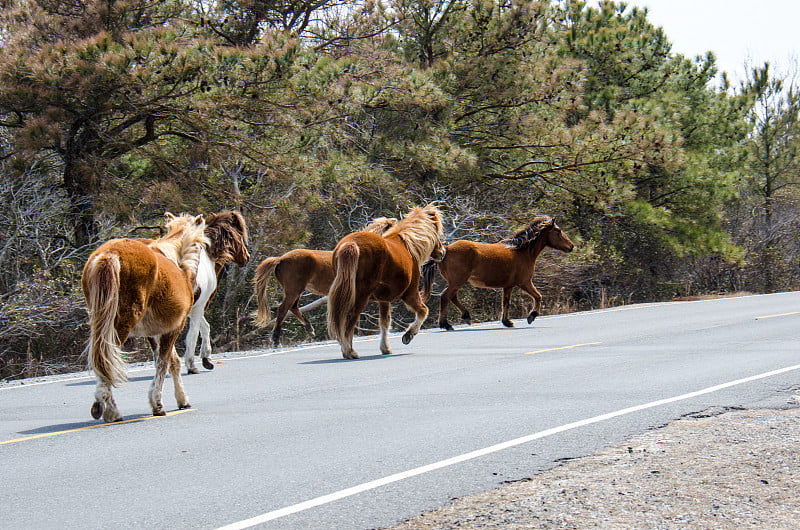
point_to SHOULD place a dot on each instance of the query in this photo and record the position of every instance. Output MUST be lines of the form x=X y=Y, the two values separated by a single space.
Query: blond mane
x=184 y=241
x=420 y=230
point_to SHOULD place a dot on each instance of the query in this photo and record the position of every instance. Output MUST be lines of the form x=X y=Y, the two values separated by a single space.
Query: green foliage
x=313 y=117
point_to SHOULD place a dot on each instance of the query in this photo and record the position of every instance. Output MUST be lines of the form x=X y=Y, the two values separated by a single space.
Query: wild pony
x=504 y=265
x=141 y=290
x=296 y=271
x=227 y=235
x=383 y=268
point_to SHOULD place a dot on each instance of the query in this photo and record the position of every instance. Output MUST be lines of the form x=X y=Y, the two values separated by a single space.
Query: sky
x=739 y=32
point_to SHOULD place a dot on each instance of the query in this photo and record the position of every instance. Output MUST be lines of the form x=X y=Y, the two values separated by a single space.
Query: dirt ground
x=720 y=470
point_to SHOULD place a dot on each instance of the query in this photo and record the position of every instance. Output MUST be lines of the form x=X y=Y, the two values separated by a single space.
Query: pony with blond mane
x=227 y=242
x=296 y=271
x=139 y=289
x=504 y=265
x=385 y=269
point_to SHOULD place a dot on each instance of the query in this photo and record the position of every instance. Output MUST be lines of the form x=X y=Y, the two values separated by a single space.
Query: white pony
x=205 y=286
x=227 y=233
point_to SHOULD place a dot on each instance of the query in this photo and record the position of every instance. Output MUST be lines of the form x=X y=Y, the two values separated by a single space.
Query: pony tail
x=261 y=280
x=342 y=294
x=102 y=297
x=428 y=273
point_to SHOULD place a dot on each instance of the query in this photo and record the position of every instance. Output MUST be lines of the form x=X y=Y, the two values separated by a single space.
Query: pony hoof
x=507 y=323
x=184 y=406
x=467 y=318
x=407 y=337
x=159 y=412
x=207 y=364
x=446 y=326
x=532 y=316
x=192 y=371
x=97 y=410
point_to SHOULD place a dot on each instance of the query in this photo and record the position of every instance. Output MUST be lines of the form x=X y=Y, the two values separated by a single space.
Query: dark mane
x=526 y=237
x=227 y=232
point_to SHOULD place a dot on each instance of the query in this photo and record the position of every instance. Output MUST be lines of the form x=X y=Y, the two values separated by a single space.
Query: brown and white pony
x=141 y=290
x=383 y=268
x=227 y=235
x=296 y=271
x=504 y=265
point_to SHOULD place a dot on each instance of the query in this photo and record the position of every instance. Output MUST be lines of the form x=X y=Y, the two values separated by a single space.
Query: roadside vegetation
x=312 y=117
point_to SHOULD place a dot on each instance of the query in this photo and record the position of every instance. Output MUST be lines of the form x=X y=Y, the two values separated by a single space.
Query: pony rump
x=418 y=233
x=342 y=295
x=106 y=359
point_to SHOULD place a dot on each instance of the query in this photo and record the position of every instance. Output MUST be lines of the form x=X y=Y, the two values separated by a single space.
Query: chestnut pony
x=296 y=271
x=227 y=235
x=141 y=290
x=504 y=265
x=383 y=268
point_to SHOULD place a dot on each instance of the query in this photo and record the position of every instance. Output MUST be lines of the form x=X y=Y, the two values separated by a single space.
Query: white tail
x=102 y=298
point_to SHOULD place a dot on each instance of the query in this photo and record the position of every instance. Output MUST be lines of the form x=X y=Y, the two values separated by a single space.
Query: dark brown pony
x=383 y=268
x=141 y=290
x=504 y=265
x=297 y=271
x=227 y=235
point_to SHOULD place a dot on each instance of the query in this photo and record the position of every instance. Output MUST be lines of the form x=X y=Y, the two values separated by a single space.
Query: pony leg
x=537 y=300
x=465 y=316
x=191 y=344
x=506 y=301
x=205 y=343
x=348 y=352
x=448 y=294
x=385 y=321
x=415 y=304
x=104 y=404
x=167 y=359
x=177 y=382
x=280 y=316
x=296 y=312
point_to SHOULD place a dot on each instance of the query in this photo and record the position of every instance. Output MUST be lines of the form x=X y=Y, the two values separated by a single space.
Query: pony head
x=541 y=228
x=227 y=231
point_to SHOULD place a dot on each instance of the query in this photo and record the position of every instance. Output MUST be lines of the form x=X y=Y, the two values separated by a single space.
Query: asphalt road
x=300 y=438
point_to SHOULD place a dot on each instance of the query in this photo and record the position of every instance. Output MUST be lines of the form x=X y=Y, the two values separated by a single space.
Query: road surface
x=300 y=438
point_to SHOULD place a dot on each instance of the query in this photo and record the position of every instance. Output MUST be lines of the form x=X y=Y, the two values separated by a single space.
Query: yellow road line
x=96 y=426
x=562 y=348
x=779 y=315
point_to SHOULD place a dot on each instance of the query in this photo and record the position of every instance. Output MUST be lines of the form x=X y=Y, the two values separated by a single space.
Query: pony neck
x=538 y=246
x=183 y=250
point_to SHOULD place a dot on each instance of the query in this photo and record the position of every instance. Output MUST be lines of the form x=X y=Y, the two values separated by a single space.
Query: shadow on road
x=363 y=358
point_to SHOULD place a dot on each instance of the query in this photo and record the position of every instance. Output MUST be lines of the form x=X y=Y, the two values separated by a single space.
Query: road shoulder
x=718 y=469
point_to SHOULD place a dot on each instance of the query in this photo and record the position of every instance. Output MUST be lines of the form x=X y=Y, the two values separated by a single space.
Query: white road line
x=338 y=495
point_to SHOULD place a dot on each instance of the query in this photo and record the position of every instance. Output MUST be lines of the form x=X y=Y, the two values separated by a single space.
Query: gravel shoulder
x=718 y=469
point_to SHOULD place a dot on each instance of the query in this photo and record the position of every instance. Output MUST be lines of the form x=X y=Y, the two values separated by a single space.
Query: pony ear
x=199 y=220
x=169 y=216
x=552 y=221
